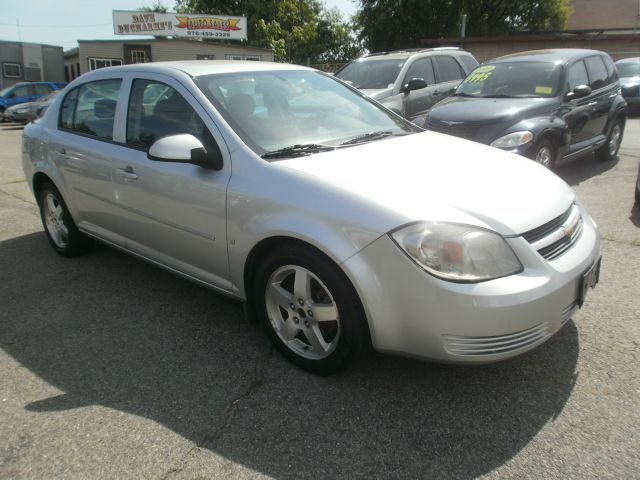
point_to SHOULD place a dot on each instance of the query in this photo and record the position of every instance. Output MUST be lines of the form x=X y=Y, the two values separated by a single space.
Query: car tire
x=309 y=309
x=610 y=149
x=61 y=230
x=544 y=153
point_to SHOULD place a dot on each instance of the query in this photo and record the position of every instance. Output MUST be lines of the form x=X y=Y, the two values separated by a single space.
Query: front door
x=417 y=102
x=173 y=213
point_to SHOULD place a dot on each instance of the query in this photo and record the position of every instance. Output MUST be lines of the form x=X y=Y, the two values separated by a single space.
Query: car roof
x=629 y=60
x=404 y=54
x=561 y=55
x=196 y=68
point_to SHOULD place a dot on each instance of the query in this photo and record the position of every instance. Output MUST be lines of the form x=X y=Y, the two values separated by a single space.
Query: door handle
x=61 y=151
x=591 y=104
x=127 y=173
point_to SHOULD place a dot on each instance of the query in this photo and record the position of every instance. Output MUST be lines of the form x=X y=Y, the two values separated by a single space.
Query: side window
x=21 y=91
x=67 y=109
x=611 y=69
x=577 y=76
x=421 y=68
x=597 y=72
x=42 y=88
x=93 y=108
x=448 y=68
x=156 y=110
x=469 y=62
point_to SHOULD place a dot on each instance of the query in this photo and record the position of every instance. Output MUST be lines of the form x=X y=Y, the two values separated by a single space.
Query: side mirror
x=580 y=91
x=185 y=148
x=413 y=84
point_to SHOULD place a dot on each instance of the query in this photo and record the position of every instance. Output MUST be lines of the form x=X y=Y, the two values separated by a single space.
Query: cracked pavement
x=112 y=368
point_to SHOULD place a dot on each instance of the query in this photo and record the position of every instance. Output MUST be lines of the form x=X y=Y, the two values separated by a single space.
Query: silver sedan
x=340 y=224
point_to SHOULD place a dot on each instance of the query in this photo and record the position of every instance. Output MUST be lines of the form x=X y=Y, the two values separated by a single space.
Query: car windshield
x=372 y=73
x=512 y=80
x=300 y=112
x=3 y=93
x=629 y=69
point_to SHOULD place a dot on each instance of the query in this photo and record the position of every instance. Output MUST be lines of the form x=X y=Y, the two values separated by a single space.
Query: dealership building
x=94 y=54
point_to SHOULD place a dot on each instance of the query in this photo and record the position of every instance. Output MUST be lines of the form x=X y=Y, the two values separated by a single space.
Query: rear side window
x=598 y=74
x=90 y=109
x=577 y=76
x=42 y=88
x=468 y=62
x=421 y=68
x=611 y=69
x=448 y=68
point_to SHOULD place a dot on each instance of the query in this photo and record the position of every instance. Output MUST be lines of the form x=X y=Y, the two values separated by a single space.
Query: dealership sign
x=179 y=25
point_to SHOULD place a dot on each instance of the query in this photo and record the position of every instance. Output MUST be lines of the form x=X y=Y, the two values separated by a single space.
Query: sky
x=62 y=23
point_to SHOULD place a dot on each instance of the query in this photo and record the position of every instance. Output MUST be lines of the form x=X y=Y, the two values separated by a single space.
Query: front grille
x=557 y=236
x=464 y=130
x=474 y=346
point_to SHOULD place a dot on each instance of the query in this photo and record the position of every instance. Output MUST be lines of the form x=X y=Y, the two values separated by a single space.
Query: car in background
x=629 y=73
x=339 y=223
x=547 y=105
x=29 y=111
x=637 y=196
x=26 y=92
x=409 y=82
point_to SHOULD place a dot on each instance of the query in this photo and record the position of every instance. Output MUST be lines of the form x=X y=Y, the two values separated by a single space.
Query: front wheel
x=309 y=309
x=61 y=230
x=544 y=153
x=610 y=149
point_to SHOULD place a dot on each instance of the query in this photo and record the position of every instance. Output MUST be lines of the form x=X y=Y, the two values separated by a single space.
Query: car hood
x=18 y=106
x=490 y=110
x=379 y=93
x=430 y=176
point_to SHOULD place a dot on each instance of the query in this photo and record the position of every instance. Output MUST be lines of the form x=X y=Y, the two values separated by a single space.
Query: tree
x=299 y=31
x=391 y=24
x=157 y=7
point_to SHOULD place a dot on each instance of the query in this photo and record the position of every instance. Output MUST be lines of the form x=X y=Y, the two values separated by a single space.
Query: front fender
x=549 y=126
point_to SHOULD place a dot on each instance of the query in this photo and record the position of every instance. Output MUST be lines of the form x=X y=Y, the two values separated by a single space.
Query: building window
x=233 y=56
x=96 y=63
x=205 y=57
x=12 y=70
x=139 y=56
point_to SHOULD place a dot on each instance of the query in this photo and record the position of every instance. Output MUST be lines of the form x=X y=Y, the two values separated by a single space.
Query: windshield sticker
x=544 y=90
x=480 y=74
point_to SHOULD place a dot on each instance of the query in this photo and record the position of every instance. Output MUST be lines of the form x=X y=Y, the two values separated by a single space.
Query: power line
x=54 y=26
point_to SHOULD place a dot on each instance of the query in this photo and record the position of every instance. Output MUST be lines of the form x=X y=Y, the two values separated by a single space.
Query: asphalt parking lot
x=111 y=368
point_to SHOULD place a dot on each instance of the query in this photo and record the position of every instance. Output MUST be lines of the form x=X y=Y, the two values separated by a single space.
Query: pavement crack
x=8 y=194
x=190 y=455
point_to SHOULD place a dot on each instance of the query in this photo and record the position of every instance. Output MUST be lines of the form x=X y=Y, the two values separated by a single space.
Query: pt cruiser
x=339 y=223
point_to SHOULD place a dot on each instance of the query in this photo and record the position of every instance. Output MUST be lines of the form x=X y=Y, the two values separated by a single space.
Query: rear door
x=83 y=148
x=603 y=94
x=449 y=74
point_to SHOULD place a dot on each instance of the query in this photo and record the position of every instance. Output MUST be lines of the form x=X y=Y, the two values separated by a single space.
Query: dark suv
x=545 y=104
x=409 y=82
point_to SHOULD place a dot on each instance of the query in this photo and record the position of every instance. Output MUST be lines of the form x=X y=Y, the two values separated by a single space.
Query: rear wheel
x=610 y=149
x=544 y=153
x=309 y=309
x=61 y=230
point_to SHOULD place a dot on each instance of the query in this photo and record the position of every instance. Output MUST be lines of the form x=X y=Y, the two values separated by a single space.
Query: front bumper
x=415 y=314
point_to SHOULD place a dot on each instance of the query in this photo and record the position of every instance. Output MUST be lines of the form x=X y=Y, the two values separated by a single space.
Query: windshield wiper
x=298 y=150
x=462 y=94
x=498 y=95
x=368 y=136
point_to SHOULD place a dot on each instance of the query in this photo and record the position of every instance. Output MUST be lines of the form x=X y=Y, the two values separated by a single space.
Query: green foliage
x=157 y=7
x=299 y=31
x=391 y=24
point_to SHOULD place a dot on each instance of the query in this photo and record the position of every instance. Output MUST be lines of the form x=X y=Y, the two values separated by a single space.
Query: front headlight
x=513 y=140
x=459 y=253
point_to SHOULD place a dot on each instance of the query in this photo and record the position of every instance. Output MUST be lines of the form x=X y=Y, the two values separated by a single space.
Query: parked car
x=26 y=92
x=338 y=222
x=29 y=111
x=547 y=105
x=629 y=72
x=409 y=82
x=638 y=188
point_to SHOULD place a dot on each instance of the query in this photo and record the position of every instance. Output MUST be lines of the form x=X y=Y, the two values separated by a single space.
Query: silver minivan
x=409 y=82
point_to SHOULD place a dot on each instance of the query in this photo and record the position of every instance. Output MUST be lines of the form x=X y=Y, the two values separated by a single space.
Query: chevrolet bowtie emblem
x=451 y=122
